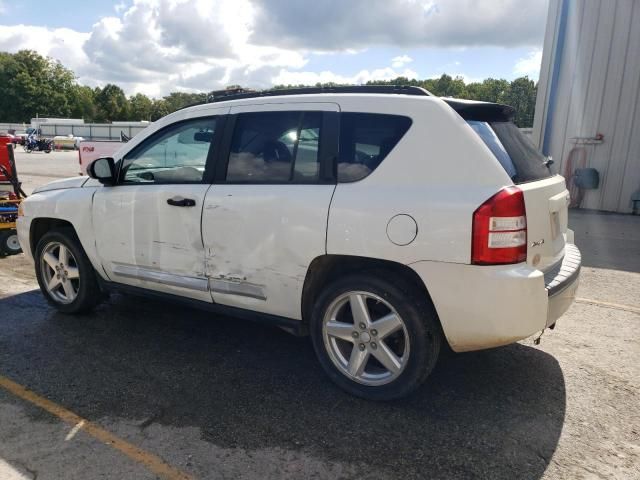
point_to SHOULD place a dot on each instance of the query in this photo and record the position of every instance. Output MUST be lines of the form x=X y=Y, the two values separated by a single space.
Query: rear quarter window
x=365 y=140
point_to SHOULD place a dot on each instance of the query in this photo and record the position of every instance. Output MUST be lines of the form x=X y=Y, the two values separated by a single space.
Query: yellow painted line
x=617 y=306
x=152 y=462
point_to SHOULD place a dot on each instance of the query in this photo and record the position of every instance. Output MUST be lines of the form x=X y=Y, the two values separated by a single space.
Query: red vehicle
x=13 y=138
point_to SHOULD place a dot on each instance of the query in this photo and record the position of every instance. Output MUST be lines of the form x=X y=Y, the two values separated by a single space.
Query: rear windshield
x=515 y=152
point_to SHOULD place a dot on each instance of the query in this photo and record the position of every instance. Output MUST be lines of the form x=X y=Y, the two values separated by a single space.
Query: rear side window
x=365 y=140
x=275 y=147
x=515 y=152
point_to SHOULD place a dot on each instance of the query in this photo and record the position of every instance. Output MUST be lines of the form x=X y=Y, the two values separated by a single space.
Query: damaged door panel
x=265 y=218
x=148 y=225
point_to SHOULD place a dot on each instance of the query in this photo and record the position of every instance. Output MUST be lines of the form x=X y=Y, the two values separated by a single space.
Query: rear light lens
x=500 y=229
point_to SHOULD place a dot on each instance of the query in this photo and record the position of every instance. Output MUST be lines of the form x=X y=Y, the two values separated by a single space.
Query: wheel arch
x=40 y=226
x=326 y=268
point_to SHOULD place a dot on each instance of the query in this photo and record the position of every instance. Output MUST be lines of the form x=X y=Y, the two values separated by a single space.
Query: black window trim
x=210 y=162
x=327 y=150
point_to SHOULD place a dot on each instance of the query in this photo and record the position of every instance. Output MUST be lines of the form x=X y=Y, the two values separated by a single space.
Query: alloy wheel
x=366 y=338
x=60 y=272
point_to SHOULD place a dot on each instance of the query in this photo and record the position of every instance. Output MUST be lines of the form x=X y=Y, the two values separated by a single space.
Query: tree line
x=31 y=85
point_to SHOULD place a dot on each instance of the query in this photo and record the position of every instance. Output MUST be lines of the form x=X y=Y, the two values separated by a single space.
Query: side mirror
x=103 y=170
x=206 y=137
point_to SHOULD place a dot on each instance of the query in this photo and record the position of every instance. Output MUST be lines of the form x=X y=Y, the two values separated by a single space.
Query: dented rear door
x=265 y=218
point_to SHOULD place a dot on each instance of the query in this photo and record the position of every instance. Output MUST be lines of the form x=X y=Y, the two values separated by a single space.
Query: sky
x=158 y=46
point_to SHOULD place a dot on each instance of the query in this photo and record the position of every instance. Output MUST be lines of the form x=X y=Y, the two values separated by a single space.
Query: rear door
x=265 y=218
x=545 y=194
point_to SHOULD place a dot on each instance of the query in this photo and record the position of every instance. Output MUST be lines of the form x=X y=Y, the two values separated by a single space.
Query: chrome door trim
x=235 y=287
x=199 y=284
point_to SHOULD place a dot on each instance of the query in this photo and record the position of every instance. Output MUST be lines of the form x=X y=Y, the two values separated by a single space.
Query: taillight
x=500 y=229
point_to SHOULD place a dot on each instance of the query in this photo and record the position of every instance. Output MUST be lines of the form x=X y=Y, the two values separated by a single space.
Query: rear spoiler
x=481 y=111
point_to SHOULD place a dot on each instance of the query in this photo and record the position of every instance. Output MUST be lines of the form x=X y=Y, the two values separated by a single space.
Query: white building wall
x=589 y=85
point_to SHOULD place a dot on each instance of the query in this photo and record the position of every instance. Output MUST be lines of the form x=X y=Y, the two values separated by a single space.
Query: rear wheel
x=9 y=244
x=65 y=274
x=375 y=336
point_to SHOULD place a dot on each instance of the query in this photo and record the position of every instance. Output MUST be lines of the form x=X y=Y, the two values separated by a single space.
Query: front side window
x=275 y=147
x=177 y=154
x=365 y=140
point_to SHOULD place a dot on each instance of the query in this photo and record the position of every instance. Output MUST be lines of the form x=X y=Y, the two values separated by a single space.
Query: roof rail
x=236 y=94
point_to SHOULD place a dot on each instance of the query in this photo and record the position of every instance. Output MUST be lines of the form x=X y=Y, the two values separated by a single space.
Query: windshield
x=515 y=152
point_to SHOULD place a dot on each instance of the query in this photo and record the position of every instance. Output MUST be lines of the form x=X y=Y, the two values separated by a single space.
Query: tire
x=415 y=340
x=77 y=289
x=9 y=244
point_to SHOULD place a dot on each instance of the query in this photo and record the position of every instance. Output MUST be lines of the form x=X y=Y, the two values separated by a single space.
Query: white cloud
x=62 y=44
x=338 y=25
x=399 y=62
x=158 y=46
x=529 y=65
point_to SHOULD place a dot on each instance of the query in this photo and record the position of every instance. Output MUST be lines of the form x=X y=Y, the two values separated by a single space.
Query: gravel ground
x=221 y=398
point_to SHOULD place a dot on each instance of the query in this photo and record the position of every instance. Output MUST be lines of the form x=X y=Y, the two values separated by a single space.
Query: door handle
x=181 y=202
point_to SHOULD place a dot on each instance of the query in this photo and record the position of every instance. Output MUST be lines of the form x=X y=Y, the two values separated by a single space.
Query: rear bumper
x=561 y=283
x=487 y=306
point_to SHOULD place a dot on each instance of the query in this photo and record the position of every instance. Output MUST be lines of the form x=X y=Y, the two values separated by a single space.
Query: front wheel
x=375 y=335
x=65 y=274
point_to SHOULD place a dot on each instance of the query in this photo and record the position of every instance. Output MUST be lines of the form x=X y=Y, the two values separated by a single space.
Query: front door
x=265 y=218
x=147 y=227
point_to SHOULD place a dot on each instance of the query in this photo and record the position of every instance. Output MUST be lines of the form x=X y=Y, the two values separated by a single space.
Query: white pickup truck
x=89 y=151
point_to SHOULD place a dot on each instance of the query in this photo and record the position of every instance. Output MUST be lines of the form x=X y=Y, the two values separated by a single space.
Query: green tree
x=177 y=100
x=112 y=103
x=83 y=103
x=159 y=109
x=446 y=86
x=521 y=95
x=31 y=84
x=491 y=90
x=140 y=107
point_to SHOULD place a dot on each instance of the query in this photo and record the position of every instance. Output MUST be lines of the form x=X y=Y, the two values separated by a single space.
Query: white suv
x=382 y=221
